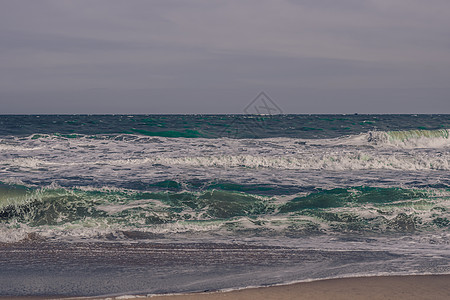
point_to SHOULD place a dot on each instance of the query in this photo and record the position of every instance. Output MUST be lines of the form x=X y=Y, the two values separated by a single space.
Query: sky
x=216 y=56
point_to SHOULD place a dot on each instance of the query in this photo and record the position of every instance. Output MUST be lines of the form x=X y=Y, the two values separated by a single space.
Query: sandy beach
x=383 y=287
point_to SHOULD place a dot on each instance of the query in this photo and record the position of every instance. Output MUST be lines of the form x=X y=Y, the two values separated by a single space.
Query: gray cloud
x=202 y=56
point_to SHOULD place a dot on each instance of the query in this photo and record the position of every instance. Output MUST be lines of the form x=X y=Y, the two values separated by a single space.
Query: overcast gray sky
x=215 y=56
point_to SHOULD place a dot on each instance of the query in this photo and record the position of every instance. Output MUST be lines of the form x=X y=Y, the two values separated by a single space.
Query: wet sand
x=388 y=287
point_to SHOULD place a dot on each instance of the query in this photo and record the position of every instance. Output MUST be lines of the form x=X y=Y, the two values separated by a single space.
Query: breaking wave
x=411 y=138
x=393 y=150
x=57 y=211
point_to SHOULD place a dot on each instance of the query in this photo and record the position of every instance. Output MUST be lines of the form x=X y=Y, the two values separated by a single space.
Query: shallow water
x=89 y=269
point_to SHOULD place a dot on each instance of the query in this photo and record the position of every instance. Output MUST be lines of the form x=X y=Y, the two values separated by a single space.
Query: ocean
x=146 y=204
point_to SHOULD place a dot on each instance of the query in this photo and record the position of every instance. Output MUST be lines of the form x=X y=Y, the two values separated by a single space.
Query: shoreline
x=220 y=271
x=399 y=287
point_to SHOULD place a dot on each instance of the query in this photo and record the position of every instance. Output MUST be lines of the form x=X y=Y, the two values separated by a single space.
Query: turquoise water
x=229 y=210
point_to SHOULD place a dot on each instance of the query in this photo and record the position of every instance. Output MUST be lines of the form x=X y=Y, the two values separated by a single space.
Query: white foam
x=136 y=158
x=11 y=233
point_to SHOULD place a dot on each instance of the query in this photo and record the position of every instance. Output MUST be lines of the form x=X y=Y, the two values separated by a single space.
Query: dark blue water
x=216 y=126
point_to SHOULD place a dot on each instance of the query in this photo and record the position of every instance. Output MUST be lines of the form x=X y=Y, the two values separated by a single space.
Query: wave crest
x=410 y=138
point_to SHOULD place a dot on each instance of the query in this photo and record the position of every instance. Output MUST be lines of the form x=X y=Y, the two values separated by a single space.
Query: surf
x=170 y=209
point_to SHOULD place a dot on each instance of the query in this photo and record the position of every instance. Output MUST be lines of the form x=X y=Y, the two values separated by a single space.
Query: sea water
x=117 y=204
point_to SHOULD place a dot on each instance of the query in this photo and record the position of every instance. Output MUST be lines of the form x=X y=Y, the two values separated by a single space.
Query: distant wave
x=408 y=139
x=322 y=160
x=403 y=139
x=411 y=138
x=357 y=160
